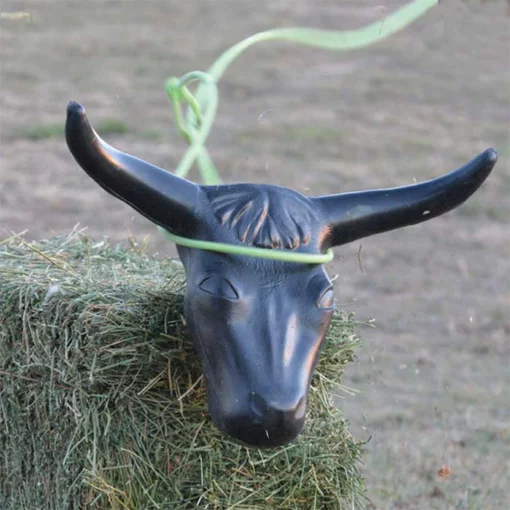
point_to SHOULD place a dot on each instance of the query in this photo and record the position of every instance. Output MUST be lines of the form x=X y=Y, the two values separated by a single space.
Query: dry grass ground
x=433 y=377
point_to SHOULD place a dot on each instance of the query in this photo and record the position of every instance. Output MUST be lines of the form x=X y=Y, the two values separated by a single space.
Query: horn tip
x=491 y=156
x=73 y=107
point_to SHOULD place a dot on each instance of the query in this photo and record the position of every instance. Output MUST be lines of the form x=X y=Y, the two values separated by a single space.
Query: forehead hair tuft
x=264 y=216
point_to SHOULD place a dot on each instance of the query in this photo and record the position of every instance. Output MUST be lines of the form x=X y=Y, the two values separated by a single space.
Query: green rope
x=250 y=251
x=203 y=105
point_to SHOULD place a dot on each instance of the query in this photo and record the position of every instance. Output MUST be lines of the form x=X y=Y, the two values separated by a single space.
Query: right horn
x=164 y=198
x=351 y=216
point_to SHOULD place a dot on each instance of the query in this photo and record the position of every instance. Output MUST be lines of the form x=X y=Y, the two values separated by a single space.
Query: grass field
x=432 y=382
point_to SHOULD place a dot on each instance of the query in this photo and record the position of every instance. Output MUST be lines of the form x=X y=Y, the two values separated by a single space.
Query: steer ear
x=161 y=196
x=351 y=216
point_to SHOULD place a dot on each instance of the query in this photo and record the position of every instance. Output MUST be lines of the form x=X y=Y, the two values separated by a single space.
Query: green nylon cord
x=203 y=106
x=341 y=40
x=250 y=251
x=193 y=136
x=329 y=39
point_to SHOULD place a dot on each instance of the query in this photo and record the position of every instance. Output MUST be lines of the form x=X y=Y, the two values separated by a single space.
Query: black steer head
x=258 y=325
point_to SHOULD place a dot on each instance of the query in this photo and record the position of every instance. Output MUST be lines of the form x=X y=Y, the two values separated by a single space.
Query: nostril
x=258 y=405
x=262 y=409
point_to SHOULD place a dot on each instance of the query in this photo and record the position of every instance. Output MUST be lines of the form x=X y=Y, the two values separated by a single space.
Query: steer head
x=258 y=325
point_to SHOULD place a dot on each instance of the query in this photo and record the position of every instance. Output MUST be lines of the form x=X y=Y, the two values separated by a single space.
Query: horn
x=351 y=216
x=161 y=196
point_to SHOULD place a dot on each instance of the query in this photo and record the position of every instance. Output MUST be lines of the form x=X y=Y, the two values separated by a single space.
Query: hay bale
x=102 y=401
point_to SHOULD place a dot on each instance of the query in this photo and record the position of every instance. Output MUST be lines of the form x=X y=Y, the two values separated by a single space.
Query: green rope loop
x=202 y=107
x=250 y=251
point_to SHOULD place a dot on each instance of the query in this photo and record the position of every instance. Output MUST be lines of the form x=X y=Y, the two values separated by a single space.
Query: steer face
x=258 y=325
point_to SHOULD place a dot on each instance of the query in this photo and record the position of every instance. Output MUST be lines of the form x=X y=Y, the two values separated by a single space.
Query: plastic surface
x=258 y=325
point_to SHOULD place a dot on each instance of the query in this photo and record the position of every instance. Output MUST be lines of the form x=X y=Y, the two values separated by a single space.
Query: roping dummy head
x=258 y=324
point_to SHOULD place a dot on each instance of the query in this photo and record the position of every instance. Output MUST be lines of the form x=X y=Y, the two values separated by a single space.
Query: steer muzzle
x=264 y=423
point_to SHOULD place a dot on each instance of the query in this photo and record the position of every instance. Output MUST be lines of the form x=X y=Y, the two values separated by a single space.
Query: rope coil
x=202 y=108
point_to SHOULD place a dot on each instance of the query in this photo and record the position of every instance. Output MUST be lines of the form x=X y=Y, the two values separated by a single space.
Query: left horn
x=164 y=198
x=351 y=216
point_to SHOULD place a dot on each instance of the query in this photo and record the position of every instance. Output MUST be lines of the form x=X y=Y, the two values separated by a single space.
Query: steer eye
x=327 y=300
x=219 y=286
